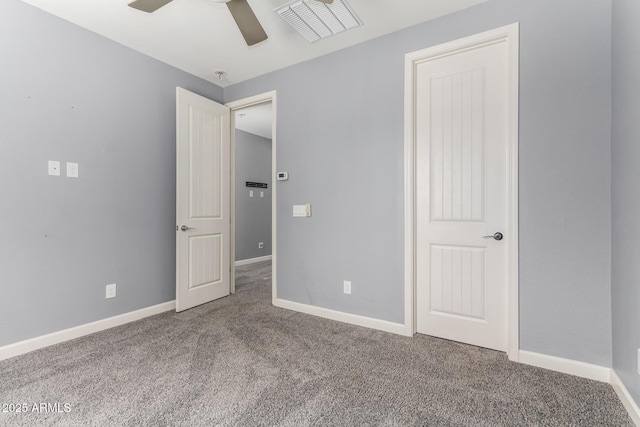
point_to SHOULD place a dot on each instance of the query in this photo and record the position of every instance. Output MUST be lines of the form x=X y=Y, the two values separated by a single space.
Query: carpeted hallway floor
x=239 y=361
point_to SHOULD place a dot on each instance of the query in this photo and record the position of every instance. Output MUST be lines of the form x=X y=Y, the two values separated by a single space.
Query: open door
x=202 y=200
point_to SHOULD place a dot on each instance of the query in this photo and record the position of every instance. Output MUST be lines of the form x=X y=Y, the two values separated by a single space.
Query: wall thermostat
x=282 y=176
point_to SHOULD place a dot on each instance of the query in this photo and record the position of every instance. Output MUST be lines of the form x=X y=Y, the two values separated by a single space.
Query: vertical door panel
x=205 y=163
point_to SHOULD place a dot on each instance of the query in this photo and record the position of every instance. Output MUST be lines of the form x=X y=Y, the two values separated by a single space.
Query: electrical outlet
x=111 y=291
x=260 y=245
x=347 y=287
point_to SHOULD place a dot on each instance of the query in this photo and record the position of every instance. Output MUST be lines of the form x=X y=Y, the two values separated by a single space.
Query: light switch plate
x=299 y=210
x=54 y=168
x=72 y=170
x=302 y=210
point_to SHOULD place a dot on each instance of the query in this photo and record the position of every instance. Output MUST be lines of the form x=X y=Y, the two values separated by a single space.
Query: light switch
x=347 y=286
x=302 y=210
x=72 y=170
x=54 y=168
x=251 y=193
x=299 y=210
x=262 y=194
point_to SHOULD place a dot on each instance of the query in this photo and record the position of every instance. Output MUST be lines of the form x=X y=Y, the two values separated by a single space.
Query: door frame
x=234 y=106
x=510 y=35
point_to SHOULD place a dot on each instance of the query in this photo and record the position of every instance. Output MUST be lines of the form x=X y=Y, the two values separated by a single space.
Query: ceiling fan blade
x=149 y=5
x=248 y=24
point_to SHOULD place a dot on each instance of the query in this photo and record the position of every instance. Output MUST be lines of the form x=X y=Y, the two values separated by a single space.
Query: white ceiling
x=256 y=119
x=200 y=36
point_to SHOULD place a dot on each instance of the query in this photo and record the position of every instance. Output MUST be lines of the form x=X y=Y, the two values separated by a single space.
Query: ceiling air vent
x=316 y=20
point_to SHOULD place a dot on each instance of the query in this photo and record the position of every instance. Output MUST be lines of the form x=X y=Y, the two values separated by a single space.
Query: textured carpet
x=239 y=361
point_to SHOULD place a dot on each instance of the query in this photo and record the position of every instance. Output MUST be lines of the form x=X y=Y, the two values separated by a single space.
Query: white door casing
x=462 y=161
x=202 y=200
x=234 y=106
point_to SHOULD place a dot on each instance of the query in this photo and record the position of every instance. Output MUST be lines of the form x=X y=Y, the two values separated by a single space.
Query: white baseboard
x=253 y=260
x=625 y=397
x=36 y=343
x=566 y=366
x=354 y=319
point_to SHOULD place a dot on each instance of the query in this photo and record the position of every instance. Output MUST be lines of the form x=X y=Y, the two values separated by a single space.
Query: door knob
x=496 y=236
x=185 y=228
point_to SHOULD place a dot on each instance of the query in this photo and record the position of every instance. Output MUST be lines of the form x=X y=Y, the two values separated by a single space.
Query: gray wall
x=625 y=196
x=71 y=95
x=253 y=214
x=340 y=137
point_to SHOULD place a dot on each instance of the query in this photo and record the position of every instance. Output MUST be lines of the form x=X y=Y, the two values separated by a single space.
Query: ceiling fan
x=246 y=20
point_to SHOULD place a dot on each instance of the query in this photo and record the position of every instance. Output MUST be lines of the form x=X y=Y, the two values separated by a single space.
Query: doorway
x=461 y=186
x=253 y=184
x=253 y=147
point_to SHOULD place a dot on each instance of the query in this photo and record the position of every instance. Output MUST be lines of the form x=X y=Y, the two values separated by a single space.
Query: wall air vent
x=316 y=20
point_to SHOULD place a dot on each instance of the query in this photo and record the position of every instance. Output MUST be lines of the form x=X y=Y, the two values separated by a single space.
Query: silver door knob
x=185 y=228
x=496 y=236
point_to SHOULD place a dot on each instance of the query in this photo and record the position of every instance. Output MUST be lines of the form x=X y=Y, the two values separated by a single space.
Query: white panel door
x=461 y=196
x=203 y=200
